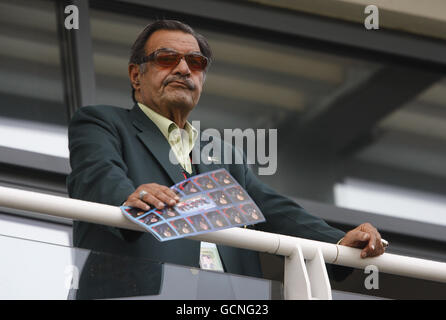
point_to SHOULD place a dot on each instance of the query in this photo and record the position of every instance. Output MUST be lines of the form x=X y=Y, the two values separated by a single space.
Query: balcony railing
x=305 y=274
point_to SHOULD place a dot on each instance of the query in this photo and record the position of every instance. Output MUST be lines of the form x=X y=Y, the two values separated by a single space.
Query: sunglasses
x=169 y=58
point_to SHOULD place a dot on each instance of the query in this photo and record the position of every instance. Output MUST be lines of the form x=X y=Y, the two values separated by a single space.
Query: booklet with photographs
x=208 y=202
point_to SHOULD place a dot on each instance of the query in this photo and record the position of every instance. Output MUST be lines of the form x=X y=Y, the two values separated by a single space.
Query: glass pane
x=32 y=114
x=30 y=76
x=38 y=270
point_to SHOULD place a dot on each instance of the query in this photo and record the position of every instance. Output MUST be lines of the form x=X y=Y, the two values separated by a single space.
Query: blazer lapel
x=155 y=142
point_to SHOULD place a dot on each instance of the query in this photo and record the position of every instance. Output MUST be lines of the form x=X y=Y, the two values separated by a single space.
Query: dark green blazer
x=114 y=150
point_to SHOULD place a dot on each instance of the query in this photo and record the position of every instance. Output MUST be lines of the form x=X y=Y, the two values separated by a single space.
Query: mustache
x=190 y=85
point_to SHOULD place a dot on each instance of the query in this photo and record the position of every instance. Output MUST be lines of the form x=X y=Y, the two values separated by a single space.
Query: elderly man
x=121 y=156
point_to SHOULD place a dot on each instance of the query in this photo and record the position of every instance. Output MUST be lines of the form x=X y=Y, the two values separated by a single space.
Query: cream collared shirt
x=181 y=141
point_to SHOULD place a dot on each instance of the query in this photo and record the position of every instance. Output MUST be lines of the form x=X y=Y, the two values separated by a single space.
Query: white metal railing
x=305 y=272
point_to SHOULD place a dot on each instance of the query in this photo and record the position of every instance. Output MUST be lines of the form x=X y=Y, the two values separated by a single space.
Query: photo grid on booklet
x=209 y=202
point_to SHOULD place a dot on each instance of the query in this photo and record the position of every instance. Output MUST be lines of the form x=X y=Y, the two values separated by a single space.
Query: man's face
x=176 y=87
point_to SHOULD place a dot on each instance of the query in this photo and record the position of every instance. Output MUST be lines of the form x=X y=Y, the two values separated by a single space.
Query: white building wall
x=36 y=259
x=392 y=201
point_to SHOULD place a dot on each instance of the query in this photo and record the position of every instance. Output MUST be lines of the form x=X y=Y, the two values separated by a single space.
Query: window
x=32 y=114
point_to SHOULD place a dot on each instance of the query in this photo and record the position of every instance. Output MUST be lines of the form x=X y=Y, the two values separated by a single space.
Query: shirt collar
x=166 y=125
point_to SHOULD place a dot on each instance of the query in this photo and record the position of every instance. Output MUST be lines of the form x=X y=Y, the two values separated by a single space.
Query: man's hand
x=365 y=237
x=156 y=196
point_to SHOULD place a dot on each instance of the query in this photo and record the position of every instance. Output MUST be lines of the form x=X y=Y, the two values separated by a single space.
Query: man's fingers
x=379 y=247
x=158 y=195
x=375 y=246
x=369 y=249
x=365 y=237
x=364 y=252
x=358 y=237
x=154 y=201
x=136 y=203
x=170 y=193
x=166 y=197
x=372 y=242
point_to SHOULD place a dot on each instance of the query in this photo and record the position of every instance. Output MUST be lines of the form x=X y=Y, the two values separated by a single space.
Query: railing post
x=306 y=280
x=317 y=272
x=296 y=282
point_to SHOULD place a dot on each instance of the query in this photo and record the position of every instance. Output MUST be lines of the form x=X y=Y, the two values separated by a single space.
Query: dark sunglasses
x=168 y=59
